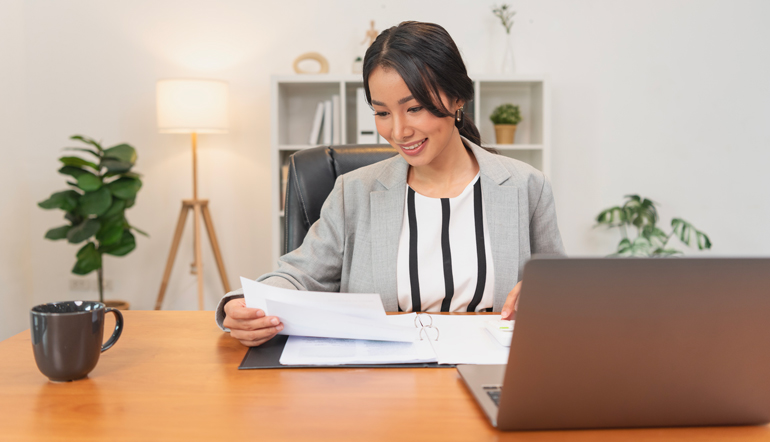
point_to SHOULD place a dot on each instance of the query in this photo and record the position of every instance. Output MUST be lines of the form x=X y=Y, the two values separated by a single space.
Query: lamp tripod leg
x=215 y=245
x=198 y=254
x=172 y=254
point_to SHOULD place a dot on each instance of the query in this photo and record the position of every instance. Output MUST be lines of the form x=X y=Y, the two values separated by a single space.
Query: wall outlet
x=89 y=285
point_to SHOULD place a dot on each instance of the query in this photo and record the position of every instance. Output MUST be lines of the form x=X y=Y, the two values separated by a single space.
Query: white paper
x=323 y=351
x=323 y=314
x=354 y=304
x=465 y=340
x=308 y=321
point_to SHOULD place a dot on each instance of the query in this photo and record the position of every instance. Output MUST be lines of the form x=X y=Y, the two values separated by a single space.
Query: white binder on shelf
x=366 y=131
x=336 y=120
x=327 y=138
x=315 y=131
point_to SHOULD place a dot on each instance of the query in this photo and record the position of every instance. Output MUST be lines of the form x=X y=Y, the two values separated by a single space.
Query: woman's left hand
x=511 y=303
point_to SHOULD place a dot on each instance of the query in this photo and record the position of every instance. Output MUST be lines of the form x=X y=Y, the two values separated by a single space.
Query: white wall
x=663 y=98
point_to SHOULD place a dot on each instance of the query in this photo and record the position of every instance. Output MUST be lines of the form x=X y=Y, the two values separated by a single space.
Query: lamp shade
x=190 y=105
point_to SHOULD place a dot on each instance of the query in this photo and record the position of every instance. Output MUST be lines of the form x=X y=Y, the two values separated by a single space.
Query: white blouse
x=441 y=254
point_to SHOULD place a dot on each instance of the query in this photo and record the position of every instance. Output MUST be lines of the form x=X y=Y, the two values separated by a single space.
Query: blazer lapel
x=387 y=213
x=501 y=208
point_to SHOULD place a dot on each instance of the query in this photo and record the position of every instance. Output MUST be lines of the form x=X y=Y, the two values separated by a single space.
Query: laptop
x=634 y=342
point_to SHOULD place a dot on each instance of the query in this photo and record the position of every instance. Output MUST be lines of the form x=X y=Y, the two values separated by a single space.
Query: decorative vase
x=508 y=67
x=505 y=133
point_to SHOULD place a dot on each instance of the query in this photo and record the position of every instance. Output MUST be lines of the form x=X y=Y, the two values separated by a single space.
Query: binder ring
x=425 y=330
x=418 y=322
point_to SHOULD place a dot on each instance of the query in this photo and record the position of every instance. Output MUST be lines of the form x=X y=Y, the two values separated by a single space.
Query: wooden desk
x=174 y=376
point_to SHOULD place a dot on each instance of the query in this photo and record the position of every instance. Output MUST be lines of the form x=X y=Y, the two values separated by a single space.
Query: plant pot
x=504 y=133
x=118 y=304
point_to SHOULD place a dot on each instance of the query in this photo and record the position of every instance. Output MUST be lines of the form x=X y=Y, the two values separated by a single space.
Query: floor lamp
x=192 y=107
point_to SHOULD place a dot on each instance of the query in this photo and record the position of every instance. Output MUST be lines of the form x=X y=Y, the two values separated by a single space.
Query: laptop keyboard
x=494 y=393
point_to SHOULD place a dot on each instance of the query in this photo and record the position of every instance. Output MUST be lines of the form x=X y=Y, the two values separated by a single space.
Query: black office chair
x=312 y=173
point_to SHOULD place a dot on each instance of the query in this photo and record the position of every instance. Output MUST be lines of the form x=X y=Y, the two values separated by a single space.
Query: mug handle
x=118 y=328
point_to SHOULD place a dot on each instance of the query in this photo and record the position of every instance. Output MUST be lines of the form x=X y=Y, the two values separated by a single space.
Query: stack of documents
x=346 y=328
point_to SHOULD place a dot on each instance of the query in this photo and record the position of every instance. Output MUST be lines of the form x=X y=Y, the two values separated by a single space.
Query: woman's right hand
x=249 y=325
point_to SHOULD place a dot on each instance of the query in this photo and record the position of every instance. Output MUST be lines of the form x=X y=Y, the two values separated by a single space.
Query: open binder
x=268 y=355
x=446 y=340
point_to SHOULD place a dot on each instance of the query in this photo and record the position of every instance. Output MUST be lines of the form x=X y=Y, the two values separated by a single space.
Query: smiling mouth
x=414 y=145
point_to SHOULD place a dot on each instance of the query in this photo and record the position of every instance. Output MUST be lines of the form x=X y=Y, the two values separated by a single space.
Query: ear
x=459 y=103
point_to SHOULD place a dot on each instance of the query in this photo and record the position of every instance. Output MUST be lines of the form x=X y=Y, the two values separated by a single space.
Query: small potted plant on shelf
x=640 y=215
x=95 y=205
x=505 y=118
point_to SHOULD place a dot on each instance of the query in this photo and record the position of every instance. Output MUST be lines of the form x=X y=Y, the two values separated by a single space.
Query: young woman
x=443 y=226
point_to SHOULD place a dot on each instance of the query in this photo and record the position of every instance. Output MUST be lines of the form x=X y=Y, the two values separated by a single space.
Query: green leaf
x=666 y=252
x=640 y=212
x=612 y=217
x=127 y=243
x=623 y=248
x=111 y=231
x=641 y=247
x=130 y=203
x=89 y=259
x=80 y=149
x=89 y=182
x=116 y=167
x=703 y=241
x=73 y=217
x=78 y=162
x=654 y=235
x=83 y=231
x=122 y=152
x=683 y=230
x=118 y=205
x=66 y=200
x=88 y=141
x=125 y=188
x=95 y=203
x=123 y=174
x=73 y=171
x=57 y=233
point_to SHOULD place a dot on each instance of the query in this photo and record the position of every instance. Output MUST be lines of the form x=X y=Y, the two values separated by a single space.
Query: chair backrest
x=312 y=173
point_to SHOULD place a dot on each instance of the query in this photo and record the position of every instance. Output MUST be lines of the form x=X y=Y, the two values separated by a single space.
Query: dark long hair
x=428 y=61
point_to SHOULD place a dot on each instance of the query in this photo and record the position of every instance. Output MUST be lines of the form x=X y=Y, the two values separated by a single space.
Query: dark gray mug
x=67 y=337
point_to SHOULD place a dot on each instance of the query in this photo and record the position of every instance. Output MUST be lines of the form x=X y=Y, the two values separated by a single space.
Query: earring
x=459 y=118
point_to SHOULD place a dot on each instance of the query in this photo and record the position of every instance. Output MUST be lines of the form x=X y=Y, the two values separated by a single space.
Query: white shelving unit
x=293 y=105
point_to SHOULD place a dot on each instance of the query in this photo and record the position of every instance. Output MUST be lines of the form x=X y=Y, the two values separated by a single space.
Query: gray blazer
x=353 y=247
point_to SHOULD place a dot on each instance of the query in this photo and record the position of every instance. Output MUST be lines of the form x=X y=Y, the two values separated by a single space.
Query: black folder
x=268 y=354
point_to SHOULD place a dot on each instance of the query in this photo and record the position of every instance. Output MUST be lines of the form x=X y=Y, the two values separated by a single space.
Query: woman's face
x=418 y=135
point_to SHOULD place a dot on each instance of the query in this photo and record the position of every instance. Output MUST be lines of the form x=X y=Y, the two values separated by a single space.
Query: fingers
x=250 y=325
x=511 y=303
x=508 y=309
x=245 y=313
x=252 y=338
x=236 y=309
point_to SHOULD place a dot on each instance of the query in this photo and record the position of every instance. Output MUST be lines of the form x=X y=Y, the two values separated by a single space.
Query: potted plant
x=641 y=215
x=505 y=118
x=95 y=205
